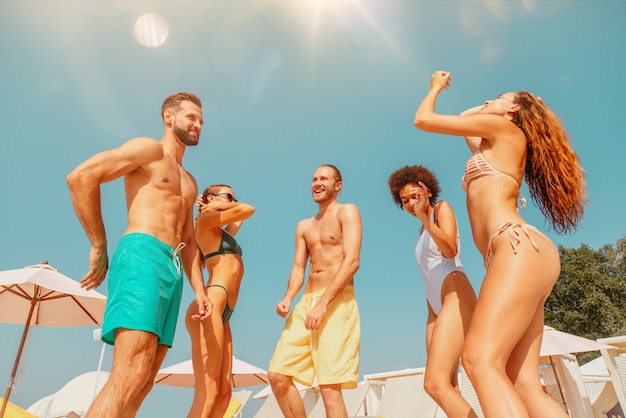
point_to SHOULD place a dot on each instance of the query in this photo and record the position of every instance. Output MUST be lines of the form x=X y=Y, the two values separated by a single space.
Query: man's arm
x=296 y=277
x=350 y=220
x=84 y=186
x=192 y=262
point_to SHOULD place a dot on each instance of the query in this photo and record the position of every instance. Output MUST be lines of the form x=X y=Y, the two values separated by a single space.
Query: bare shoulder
x=143 y=141
x=303 y=224
x=443 y=210
x=443 y=205
x=143 y=147
x=348 y=215
x=117 y=162
x=303 y=227
x=349 y=210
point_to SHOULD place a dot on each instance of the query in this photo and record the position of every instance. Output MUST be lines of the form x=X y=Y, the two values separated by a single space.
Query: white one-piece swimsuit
x=435 y=267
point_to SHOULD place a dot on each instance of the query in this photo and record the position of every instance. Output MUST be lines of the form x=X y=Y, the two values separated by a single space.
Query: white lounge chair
x=271 y=409
x=469 y=393
x=564 y=382
x=237 y=401
x=600 y=389
x=620 y=374
x=405 y=397
x=354 y=400
x=551 y=384
x=399 y=394
x=610 y=355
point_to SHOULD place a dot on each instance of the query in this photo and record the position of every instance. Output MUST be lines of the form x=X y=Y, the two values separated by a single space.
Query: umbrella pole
x=95 y=389
x=558 y=382
x=33 y=302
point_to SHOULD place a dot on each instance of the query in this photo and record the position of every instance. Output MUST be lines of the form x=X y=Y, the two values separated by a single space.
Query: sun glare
x=151 y=30
x=315 y=11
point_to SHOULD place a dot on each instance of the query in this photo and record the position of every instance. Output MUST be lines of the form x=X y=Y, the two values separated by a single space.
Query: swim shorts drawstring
x=175 y=258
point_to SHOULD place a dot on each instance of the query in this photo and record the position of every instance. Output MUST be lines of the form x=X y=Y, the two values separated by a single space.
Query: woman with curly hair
x=217 y=223
x=512 y=136
x=449 y=294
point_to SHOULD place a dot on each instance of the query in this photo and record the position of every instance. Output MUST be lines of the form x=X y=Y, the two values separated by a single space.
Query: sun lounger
x=469 y=393
x=271 y=409
x=237 y=402
x=399 y=394
x=563 y=381
x=352 y=398
x=233 y=408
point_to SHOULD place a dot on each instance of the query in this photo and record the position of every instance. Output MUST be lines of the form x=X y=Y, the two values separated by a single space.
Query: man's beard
x=323 y=197
x=185 y=137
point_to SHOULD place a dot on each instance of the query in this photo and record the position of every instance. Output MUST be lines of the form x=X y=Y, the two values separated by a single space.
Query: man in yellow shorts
x=322 y=335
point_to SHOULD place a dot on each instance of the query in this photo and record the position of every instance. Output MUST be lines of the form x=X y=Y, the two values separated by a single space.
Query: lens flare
x=151 y=30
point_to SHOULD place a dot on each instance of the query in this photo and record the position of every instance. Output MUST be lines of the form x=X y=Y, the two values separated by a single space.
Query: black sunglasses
x=229 y=196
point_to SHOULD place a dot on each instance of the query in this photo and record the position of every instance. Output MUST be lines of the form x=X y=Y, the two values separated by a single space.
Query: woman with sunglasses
x=511 y=137
x=219 y=219
x=449 y=294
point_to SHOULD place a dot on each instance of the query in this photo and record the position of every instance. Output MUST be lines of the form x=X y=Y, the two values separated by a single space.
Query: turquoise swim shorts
x=145 y=288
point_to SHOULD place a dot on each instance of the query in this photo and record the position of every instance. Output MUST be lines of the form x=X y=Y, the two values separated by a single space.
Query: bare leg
x=333 y=401
x=287 y=395
x=522 y=370
x=158 y=360
x=134 y=358
x=445 y=345
x=207 y=339
x=504 y=328
x=225 y=384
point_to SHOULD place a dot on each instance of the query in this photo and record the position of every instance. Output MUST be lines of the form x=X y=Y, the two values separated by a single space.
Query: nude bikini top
x=477 y=167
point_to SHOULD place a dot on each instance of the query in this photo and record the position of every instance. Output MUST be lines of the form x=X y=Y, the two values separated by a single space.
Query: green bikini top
x=228 y=245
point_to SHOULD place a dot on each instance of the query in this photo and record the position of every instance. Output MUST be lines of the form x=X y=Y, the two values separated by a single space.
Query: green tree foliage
x=589 y=299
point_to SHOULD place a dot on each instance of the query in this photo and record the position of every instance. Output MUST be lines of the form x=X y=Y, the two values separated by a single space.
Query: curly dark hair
x=412 y=174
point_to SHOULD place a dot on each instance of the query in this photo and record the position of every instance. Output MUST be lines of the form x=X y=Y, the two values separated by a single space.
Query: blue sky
x=286 y=86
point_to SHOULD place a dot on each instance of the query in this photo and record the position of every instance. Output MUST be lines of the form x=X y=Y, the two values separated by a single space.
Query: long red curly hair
x=553 y=172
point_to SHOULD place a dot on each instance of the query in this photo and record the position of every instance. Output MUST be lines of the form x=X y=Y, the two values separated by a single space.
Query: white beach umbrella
x=558 y=343
x=555 y=342
x=40 y=295
x=181 y=374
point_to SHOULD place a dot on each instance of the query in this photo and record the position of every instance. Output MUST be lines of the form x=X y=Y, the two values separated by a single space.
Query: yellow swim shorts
x=330 y=353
